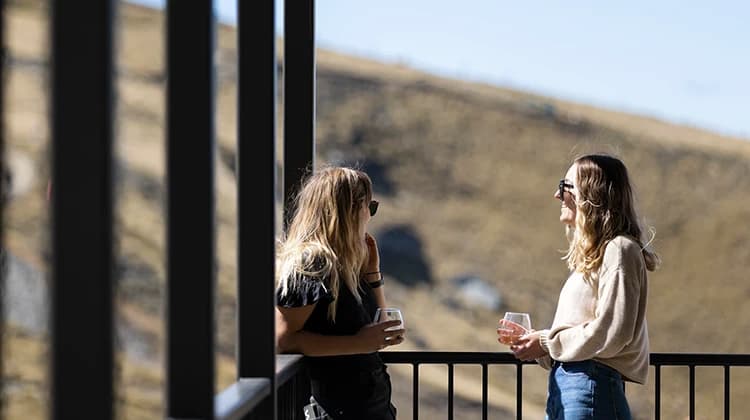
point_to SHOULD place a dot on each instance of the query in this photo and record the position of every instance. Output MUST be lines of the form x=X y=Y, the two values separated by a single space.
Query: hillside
x=465 y=174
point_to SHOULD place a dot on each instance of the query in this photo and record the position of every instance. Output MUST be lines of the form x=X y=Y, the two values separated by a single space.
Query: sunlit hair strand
x=323 y=238
x=605 y=209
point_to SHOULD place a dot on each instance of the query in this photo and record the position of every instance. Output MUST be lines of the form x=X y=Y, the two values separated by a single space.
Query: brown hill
x=465 y=174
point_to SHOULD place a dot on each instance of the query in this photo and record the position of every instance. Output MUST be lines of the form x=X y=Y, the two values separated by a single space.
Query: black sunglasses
x=562 y=186
x=373 y=206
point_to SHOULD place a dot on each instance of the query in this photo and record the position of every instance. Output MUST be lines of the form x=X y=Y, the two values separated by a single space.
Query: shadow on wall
x=401 y=256
x=378 y=173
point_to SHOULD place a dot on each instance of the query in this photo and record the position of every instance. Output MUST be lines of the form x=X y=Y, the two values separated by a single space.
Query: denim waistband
x=589 y=366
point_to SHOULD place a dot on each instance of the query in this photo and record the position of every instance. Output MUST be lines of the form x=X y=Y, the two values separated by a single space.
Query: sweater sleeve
x=613 y=326
x=544 y=361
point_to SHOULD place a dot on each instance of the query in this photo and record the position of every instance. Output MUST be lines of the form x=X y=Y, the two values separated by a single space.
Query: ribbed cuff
x=543 y=338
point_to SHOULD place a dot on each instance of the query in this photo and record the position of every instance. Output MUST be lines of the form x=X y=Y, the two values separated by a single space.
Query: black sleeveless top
x=351 y=316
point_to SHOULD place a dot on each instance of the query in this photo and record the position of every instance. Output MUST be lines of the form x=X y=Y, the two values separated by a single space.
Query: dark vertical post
x=484 y=391
x=256 y=193
x=519 y=391
x=691 y=370
x=415 y=390
x=726 y=392
x=657 y=392
x=81 y=283
x=450 y=391
x=299 y=96
x=190 y=209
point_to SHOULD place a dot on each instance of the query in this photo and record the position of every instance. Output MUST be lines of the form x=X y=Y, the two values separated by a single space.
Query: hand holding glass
x=389 y=314
x=513 y=326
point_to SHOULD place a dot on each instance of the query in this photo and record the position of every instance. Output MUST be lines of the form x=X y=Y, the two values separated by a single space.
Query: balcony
x=267 y=386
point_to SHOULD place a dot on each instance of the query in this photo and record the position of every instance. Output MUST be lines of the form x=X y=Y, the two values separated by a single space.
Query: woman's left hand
x=528 y=347
x=373 y=260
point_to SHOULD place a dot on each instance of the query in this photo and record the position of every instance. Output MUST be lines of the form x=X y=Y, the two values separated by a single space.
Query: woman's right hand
x=528 y=347
x=373 y=337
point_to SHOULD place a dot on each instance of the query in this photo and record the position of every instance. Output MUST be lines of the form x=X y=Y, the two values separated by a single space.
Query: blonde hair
x=605 y=209
x=323 y=238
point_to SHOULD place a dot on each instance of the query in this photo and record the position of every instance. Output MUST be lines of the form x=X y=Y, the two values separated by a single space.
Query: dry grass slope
x=464 y=171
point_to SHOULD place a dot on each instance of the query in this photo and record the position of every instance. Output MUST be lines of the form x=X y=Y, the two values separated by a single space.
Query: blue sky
x=683 y=61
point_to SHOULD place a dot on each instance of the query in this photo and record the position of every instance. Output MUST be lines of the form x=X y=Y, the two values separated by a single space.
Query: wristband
x=377 y=283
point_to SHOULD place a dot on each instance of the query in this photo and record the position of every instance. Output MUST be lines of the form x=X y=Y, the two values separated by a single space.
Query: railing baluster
x=519 y=391
x=726 y=392
x=190 y=209
x=657 y=392
x=692 y=391
x=299 y=94
x=484 y=391
x=82 y=263
x=450 y=391
x=415 y=391
x=256 y=193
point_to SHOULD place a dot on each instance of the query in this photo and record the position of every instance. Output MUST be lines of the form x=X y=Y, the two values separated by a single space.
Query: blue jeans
x=586 y=390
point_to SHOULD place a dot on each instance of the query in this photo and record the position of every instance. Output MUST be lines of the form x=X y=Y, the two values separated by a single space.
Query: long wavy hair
x=323 y=238
x=605 y=209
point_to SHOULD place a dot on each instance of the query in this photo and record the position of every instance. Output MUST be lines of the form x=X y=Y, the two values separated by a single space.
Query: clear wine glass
x=513 y=326
x=389 y=314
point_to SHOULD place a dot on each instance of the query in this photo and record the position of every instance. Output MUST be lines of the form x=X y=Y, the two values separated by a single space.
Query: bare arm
x=379 y=294
x=374 y=278
x=291 y=338
x=372 y=271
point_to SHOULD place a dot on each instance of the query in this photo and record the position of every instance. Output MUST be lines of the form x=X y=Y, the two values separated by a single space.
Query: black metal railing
x=293 y=388
x=190 y=210
x=451 y=359
x=81 y=285
x=82 y=97
x=658 y=360
x=691 y=360
x=246 y=398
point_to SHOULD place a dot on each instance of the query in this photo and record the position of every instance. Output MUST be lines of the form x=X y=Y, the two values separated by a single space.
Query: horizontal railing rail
x=699 y=359
x=484 y=359
x=241 y=399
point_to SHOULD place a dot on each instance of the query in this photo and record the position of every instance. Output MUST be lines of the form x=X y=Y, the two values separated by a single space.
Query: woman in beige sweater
x=599 y=337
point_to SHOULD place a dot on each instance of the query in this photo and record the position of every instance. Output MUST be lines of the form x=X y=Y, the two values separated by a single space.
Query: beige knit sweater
x=604 y=320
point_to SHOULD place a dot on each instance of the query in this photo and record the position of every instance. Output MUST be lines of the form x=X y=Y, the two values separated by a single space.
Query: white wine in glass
x=513 y=326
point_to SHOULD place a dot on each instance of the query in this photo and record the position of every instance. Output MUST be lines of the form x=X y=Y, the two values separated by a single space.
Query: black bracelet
x=377 y=283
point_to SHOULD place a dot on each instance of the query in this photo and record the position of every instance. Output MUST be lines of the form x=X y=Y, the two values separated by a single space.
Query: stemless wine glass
x=513 y=326
x=389 y=314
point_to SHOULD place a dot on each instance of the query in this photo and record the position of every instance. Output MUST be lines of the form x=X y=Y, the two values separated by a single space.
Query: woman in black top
x=329 y=287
